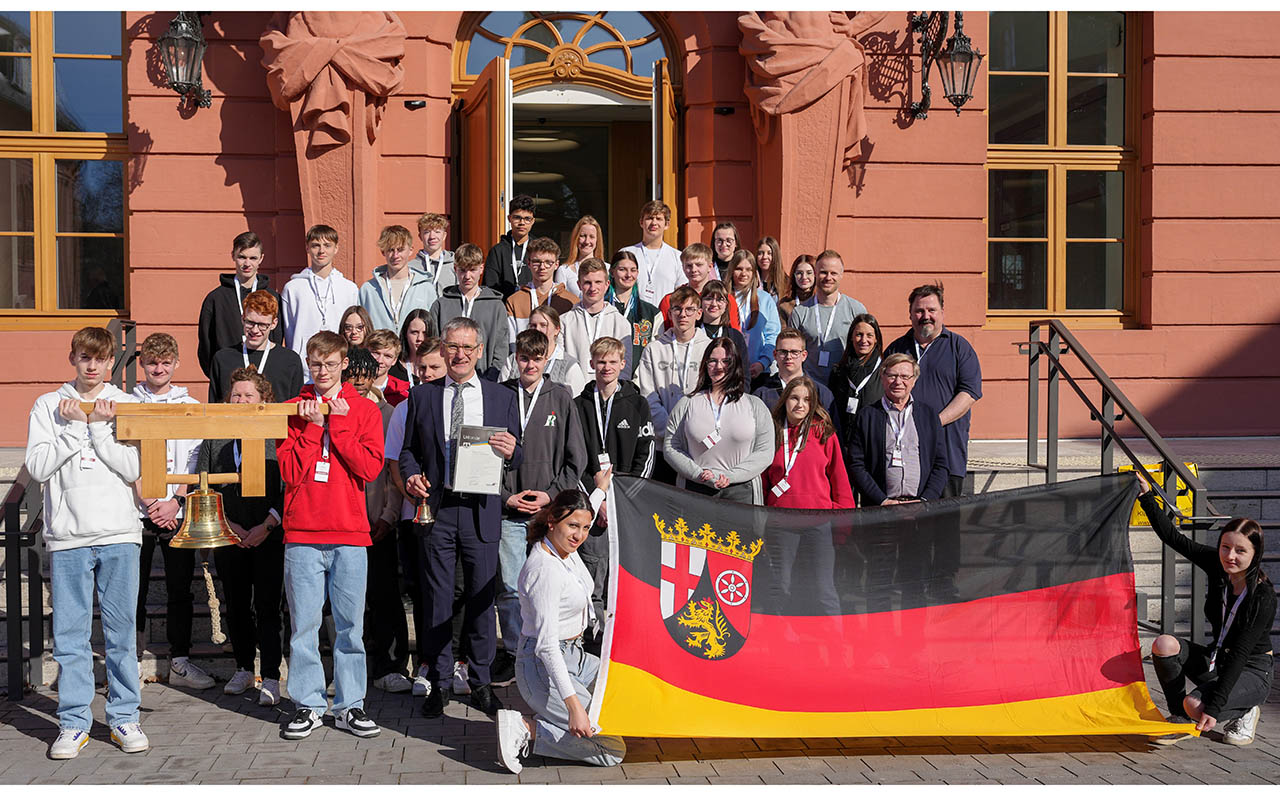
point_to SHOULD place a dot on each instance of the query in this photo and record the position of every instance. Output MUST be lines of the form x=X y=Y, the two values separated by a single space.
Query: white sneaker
x=460 y=675
x=183 y=673
x=1239 y=732
x=421 y=684
x=239 y=683
x=513 y=739
x=269 y=694
x=68 y=744
x=357 y=722
x=130 y=737
x=393 y=682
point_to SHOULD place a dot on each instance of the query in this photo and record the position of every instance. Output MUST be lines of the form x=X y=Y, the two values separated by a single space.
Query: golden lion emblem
x=711 y=629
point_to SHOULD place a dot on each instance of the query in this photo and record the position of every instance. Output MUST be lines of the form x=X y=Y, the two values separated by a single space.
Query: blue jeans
x=551 y=715
x=512 y=552
x=311 y=570
x=72 y=574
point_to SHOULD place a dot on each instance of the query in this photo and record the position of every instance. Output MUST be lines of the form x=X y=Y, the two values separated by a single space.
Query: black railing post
x=1199 y=580
x=1051 y=431
x=1108 y=442
x=13 y=596
x=1033 y=394
x=35 y=612
x=1168 y=559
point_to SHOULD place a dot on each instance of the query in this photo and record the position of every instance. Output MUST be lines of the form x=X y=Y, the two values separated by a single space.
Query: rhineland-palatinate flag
x=1003 y=614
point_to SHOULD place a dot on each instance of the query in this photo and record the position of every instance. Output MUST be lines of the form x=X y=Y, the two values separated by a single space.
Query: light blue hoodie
x=373 y=296
x=762 y=336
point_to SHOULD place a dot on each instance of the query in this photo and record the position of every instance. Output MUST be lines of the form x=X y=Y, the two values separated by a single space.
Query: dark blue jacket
x=949 y=366
x=426 y=433
x=864 y=453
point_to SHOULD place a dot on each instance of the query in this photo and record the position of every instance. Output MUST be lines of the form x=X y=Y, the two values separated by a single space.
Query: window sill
x=1076 y=320
x=16 y=319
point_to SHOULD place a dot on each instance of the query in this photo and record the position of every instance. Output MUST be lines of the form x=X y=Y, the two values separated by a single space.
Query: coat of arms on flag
x=704 y=592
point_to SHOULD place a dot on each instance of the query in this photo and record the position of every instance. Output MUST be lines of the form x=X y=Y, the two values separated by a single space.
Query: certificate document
x=479 y=467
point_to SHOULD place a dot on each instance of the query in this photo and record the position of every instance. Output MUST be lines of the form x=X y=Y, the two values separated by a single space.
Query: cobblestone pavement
x=208 y=737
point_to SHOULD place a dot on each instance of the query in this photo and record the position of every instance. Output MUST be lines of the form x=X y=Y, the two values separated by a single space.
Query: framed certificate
x=478 y=468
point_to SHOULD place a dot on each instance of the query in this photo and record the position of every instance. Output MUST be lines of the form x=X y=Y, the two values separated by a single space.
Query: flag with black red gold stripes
x=1003 y=614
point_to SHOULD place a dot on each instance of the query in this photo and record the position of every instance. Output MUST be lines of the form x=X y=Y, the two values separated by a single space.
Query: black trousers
x=179 y=569
x=253 y=583
x=389 y=650
x=1192 y=664
x=455 y=536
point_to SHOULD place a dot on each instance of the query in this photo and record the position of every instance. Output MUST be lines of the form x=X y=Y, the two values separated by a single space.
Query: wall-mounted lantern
x=957 y=62
x=182 y=50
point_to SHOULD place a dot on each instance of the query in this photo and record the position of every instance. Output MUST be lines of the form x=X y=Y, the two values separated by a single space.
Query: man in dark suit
x=466 y=524
x=897 y=452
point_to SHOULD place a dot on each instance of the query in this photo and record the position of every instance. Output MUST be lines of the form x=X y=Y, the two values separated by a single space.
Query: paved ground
x=207 y=737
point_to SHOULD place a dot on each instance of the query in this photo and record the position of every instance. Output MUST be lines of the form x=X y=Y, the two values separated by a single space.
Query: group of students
x=711 y=368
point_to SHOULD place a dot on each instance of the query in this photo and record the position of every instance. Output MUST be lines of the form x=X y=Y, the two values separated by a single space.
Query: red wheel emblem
x=732 y=588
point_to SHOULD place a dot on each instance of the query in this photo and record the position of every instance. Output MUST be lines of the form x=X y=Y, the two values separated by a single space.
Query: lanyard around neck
x=524 y=416
x=788 y=455
x=266 y=351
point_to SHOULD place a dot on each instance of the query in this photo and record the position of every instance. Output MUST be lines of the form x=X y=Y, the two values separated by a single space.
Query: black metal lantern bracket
x=182 y=51
x=957 y=62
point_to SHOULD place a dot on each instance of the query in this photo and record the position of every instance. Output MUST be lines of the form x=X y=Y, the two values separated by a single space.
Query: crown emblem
x=729 y=544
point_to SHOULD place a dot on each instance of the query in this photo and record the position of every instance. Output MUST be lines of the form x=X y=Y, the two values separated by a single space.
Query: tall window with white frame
x=62 y=164
x=1062 y=166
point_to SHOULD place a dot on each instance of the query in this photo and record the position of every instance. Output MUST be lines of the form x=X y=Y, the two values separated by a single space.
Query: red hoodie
x=396 y=391
x=332 y=512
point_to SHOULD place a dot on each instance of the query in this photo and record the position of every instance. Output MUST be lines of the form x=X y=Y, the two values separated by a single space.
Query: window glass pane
x=1095 y=41
x=1095 y=275
x=87 y=32
x=17 y=200
x=481 y=52
x=1095 y=111
x=526 y=55
x=90 y=196
x=611 y=57
x=596 y=34
x=1095 y=205
x=1019 y=41
x=1017 y=275
x=542 y=34
x=90 y=272
x=17 y=272
x=89 y=93
x=15 y=93
x=15 y=32
x=642 y=57
x=1017 y=203
x=1019 y=109
x=631 y=24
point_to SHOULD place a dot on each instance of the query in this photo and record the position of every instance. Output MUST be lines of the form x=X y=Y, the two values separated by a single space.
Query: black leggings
x=179 y=571
x=253 y=583
x=1192 y=663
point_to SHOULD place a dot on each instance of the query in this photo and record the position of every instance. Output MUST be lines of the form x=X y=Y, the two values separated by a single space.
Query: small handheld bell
x=423 y=515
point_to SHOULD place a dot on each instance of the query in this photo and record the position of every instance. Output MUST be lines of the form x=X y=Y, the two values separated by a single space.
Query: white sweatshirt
x=180 y=454
x=668 y=370
x=311 y=305
x=579 y=330
x=661 y=271
x=87 y=475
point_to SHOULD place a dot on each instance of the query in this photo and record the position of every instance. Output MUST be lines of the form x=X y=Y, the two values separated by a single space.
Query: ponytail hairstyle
x=1251 y=530
x=564 y=504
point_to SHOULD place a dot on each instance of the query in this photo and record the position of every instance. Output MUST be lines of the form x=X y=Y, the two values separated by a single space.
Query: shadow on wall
x=889 y=69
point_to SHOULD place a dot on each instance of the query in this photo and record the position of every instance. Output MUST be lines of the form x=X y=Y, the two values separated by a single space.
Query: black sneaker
x=503 y=669
x=434 y=705
x=1176 y=736
x=302 y=724
x=483 y=699
x=358 y=722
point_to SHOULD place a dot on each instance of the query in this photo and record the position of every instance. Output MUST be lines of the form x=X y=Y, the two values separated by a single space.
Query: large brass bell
x=205 y=524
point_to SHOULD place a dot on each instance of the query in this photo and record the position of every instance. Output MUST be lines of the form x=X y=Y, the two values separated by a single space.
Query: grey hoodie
x=490 y=313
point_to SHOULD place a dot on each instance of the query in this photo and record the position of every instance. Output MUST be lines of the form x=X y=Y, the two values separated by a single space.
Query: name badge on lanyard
x=602 y=423
x=824 y=357
x=322 y=466
x=524 y=416
x=788 y=459
x=851 y=405
x=1227 y=619
x=88 y=458
x=898 y=434
x=712 y=439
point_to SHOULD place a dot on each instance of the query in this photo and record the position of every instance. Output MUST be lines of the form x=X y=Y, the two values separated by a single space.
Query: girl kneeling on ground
x=1233 y=673
x=554 y=674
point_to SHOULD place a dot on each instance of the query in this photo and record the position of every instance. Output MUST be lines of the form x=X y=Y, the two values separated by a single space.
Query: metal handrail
x=1062 y=341
x=124 y=331
x=17 y=536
